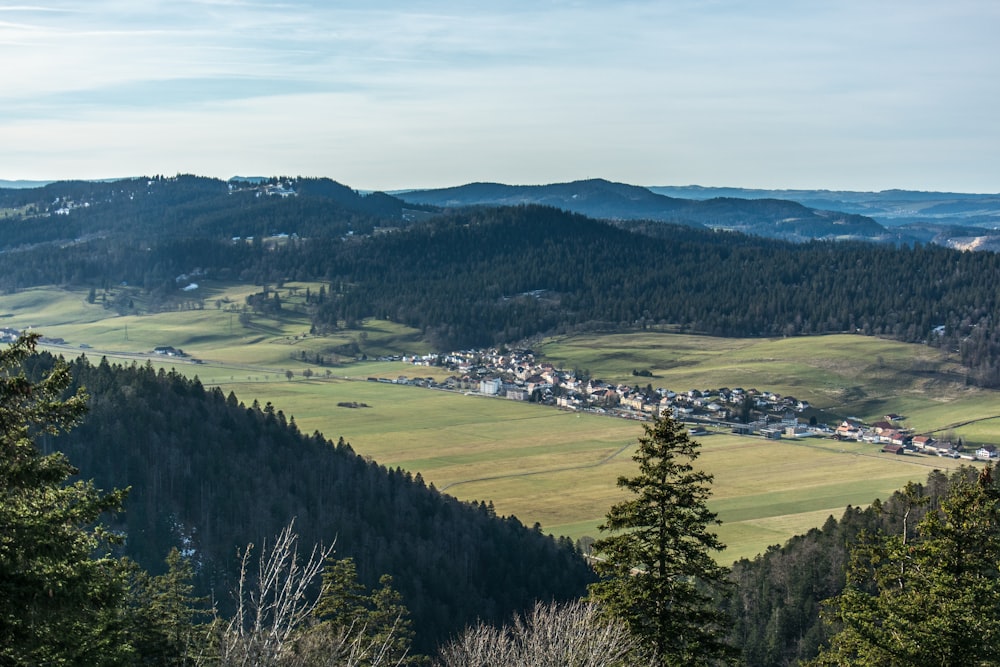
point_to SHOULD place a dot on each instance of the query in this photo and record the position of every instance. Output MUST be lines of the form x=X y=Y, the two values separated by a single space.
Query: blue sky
x=845 y=94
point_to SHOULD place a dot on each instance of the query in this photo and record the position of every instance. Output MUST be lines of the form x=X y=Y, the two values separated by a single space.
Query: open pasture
x=211 y=332
x=764 y=491
x=544 y=465
x=842 y=374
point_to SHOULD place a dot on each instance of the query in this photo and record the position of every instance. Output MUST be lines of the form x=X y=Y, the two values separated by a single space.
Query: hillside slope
x=210 y=475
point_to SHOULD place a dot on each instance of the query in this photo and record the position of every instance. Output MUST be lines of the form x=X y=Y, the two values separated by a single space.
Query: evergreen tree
x=375 y=628
x=927 y=599
x=163 y=612
x=389 y=623
x=342 y=605
x=656 y=564
x=61 y=597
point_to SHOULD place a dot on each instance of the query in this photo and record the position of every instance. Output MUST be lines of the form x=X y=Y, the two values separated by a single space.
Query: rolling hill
x=598 y=198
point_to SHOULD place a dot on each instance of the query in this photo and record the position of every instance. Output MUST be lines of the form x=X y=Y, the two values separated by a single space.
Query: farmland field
x=544 y=465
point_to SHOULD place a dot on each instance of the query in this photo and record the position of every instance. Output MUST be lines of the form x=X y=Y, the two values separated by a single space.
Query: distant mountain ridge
x=957 y=220
x=20 y=184
x=885 y=206
x=604 y=199
x=953 y=219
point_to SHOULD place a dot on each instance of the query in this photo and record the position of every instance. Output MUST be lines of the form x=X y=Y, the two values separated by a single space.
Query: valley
x=544 y=465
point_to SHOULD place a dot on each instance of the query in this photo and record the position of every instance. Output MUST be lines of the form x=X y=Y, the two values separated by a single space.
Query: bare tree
x=348 y=647
x=479 y=645
x=272 y=603
x=274 y=623
x=552 y=635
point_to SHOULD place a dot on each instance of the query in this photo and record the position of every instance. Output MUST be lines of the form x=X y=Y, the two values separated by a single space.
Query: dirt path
x=960 y=424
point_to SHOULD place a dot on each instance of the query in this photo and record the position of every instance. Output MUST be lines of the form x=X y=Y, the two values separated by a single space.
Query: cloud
x=777 y=94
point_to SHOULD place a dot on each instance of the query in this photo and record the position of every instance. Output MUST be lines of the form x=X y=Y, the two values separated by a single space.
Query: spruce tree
x=656 y=565
x=932 y=598
x=164 y=613
x=375 y=628
x=61 y=594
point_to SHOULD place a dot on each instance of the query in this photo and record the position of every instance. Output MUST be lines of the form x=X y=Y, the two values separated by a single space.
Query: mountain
x=487 y=275
x=598 y=198
x=187 y=206
x=889 y=207
x=482 y=276
x=953 y=219
x=20 y=184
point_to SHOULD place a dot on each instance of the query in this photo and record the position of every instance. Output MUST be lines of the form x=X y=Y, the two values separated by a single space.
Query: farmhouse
x=848 y=430
x=942 y=447
x=987 y=452
x=882 y=426
x=168 y=351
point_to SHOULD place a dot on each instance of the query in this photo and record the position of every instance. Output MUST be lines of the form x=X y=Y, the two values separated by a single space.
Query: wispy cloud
x=781 y=94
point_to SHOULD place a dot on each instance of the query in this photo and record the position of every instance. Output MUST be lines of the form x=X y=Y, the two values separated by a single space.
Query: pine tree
x=163 y=613
x=932 y=598
x=656 y=564
x=342 y=605
x=373 y=629
x=60 y=597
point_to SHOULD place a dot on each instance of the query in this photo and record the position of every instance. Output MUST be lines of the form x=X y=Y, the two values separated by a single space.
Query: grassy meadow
x=544 y=465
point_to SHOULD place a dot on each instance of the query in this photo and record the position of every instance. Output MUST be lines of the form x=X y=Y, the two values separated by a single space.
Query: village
x=516 y=375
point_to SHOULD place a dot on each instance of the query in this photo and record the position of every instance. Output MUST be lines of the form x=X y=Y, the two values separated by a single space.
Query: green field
x=541 y=464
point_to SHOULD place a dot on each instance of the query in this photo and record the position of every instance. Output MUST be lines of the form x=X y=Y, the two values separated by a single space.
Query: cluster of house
x=896 y=439
x=9 y=335
x=516 y=375
x=168 y=351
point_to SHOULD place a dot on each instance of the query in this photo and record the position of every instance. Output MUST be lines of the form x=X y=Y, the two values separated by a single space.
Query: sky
x=834 y=94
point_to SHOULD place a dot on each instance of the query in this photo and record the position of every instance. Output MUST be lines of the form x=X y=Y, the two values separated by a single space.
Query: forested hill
x=778 y=596
x=495 y=276
x=485 y=276
x=598 y=198
x=185 y=206
x=210 y=475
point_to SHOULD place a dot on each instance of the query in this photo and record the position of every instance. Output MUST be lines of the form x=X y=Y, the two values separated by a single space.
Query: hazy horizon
x=391 y=95
x=26 y=183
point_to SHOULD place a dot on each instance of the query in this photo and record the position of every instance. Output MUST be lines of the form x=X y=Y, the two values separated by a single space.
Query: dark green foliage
x=60 y=590
x=656 y=564
x=493 y=276
x=929 y=598
x=776 y=603
x=378 y=619
x=214 y=476
x=342 y=605
x=164 y=618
